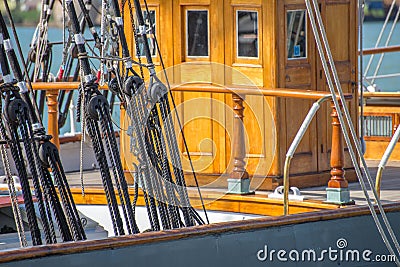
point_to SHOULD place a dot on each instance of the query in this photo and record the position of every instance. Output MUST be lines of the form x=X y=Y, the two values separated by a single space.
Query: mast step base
x=338 y=196
x=239 y=186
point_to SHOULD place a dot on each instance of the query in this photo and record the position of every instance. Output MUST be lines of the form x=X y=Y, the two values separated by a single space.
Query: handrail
x=54 y=86
x=383 y=76
x=384 y=160
x=208 y=88
x=295 y=143
x=380 y=50
x=382 y=94
x=319 y=96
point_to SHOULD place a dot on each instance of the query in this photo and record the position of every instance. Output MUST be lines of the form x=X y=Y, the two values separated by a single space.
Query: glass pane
x=148 y=18
x=247 y=33
x=296 y=31
x=197 y=33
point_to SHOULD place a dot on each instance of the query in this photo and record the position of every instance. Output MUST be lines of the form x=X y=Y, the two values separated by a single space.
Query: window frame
x=306 y=57
x=255 y=62
x=237 y=34
x=186 y=40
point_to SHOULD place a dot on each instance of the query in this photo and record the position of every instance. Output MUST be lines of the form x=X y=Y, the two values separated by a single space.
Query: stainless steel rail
x=295 y=143
x=385 y=159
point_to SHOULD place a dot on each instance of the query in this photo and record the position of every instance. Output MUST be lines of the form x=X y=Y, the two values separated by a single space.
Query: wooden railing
x=238 y=95
x=379 y=50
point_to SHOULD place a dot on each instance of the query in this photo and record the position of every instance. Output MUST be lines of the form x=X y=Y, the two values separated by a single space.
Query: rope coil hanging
x=25 y=135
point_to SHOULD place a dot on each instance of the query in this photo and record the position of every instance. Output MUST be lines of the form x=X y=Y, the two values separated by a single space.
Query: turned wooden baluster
x=52 y=116
x=239 y=148
x=338 y=179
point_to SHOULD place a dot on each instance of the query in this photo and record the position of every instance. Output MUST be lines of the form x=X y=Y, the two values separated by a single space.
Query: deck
x=390 y=188
x=216 y=199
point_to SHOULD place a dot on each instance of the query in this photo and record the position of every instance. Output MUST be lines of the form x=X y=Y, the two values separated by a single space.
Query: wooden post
x=239 y=148
x=338 y=179
x=52 y=116
x=239 y=181
x=337 y=191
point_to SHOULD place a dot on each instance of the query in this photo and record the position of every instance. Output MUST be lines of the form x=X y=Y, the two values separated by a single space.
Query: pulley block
x=132 y=84
x=113 y=86
x=156 y=91
x=95 y=103
x=45 y=150
x=13 y=108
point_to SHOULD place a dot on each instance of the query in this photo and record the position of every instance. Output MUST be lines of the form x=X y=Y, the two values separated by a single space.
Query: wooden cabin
x=381 y=118
x=266 y=44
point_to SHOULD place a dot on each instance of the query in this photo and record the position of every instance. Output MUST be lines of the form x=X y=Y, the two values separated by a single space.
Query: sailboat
x=262 y=63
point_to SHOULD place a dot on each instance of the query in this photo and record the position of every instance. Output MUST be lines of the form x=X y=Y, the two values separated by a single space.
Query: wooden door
x=198 y=44
x=342 y=38
x=245 y=51
x=160 y=14
x=297 y=69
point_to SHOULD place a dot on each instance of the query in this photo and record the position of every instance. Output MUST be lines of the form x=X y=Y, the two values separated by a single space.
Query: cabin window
x=296 y=34
x=197 y=33
x=247 y=33
x=378 y=126
x=148 y=19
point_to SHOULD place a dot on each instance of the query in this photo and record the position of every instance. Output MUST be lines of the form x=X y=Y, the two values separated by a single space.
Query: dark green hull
x=243 y=243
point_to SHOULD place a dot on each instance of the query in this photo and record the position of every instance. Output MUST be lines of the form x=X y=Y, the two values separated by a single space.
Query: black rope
x=106 y=178
x=119 y=173
x=158 y=181
x=167 y=176
x=23 y=122
x=51 y=194
x=33 y=109
x=20 y=114
x=72 y=214
x=124 y=199
x=89 y=22
x=176 y=161
x=176 y=112
x=16 y=153
x=144 y=165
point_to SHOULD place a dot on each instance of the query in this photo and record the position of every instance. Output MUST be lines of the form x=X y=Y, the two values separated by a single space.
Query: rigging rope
x=176 y=111
x=325 y=48
x=11 y=187
x=97 y=119
x=23 y=123
x=149 y=132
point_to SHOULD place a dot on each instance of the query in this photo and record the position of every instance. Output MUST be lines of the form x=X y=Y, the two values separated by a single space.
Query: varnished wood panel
x=197 y=125
x=252 y=204
x=296 y=73
x=342 y=41
x=375 y=150
x=210 y=135
x=299 y=76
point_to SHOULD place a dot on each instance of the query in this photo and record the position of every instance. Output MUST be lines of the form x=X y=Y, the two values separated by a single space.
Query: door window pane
x=197 y=33
x=247 y=33
x=296 y=34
